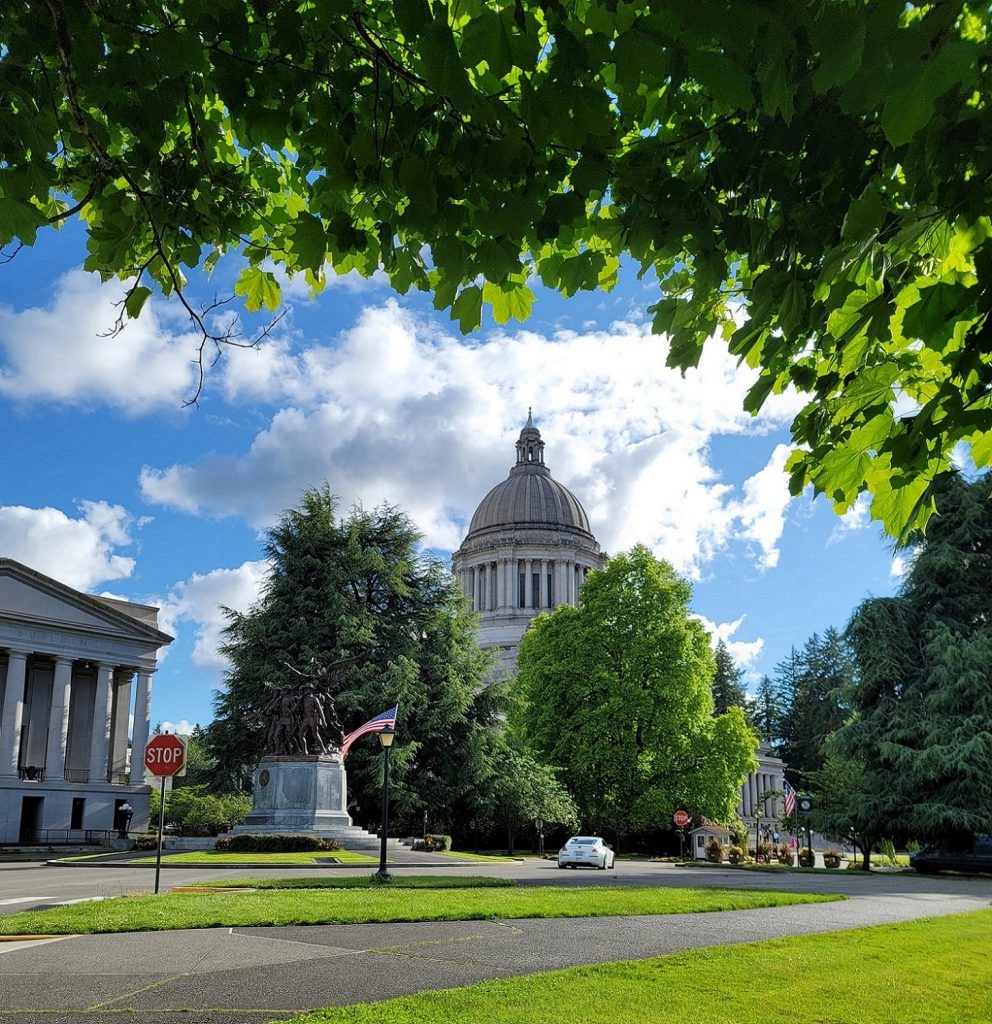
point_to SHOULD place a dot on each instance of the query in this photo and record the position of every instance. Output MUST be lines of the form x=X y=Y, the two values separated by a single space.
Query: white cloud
x=744 y=652
x=80 y=551
x=183 y=727
x=856 y=518
x=57 y=353
x=199 y=601
x=399 y=411
x=901 y=564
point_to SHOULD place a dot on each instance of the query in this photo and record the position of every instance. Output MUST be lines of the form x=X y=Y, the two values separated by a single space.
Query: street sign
x=165 y=755
x=681 y=818
x=804 y=804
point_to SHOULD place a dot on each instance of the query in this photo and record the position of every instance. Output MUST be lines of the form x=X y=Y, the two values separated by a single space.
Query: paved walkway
x=236 y=975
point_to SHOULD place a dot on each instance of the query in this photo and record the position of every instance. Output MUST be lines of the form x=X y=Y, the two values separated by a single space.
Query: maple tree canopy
x=809 y=180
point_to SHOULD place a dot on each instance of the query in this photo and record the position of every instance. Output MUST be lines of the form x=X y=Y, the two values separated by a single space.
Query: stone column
x=102 y=704
x=528 y=584
x=543 y=601
x=12 y=717
x=752 y=785
x=142 y=723
x=58 y=720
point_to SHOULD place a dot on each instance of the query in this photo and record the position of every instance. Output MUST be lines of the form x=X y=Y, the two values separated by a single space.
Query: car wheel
x=613 y=864
x=562 y=866
x=602 y=867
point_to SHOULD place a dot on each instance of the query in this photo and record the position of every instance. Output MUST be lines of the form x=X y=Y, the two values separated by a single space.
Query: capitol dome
x=528 y=549
x=529 y=496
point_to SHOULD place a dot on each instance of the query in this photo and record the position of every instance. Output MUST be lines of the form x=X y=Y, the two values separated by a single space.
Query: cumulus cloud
x=60 y=352
x=744 y=652
x=184 y=727
x=80 y=551
x=399 y=411
x=901 y=564
x=199 y=601
x=856 y=518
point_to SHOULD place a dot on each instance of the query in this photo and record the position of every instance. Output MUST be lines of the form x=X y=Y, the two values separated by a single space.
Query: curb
x=201 y=865
x=34 y=938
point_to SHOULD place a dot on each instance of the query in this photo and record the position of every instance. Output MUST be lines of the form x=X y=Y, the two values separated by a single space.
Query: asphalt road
x=230 y=976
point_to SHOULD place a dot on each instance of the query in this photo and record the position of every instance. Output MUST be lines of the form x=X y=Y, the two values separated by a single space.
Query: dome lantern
x=530 y=447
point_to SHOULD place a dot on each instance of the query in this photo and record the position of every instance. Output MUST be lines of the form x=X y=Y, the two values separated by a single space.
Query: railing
x=77 y=775
x=67 y=836
x=117 y=778
x=31 y=773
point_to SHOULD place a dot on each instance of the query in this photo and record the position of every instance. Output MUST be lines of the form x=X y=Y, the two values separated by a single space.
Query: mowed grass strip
x=365 y=882
x=364 y=905
x=933 y=971
x=222 y=857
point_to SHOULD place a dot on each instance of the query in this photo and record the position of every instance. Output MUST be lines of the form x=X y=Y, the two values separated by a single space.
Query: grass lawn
x=309 y=906
x=220 y=857
x=366 y=882
x=934 y=971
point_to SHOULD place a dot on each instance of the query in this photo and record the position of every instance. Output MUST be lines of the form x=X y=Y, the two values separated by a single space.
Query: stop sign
x=165 y=755
x=681 y=818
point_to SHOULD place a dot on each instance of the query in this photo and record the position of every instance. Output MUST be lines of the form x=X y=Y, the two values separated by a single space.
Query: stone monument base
x=304 y=793
x=298 y=793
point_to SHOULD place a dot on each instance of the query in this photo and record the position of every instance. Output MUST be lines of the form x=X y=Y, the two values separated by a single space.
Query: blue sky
x=112 y=485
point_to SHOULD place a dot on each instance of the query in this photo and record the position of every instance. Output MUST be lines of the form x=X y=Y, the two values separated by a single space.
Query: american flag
x=387 y=720
x=790 y=799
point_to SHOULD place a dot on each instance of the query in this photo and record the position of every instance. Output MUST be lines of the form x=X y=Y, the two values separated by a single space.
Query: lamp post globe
x=386 y=737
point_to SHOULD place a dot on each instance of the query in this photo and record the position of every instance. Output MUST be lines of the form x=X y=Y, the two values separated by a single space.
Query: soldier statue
x=302 y=719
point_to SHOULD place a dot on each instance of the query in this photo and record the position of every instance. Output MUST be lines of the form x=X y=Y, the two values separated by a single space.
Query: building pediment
x=31 y=598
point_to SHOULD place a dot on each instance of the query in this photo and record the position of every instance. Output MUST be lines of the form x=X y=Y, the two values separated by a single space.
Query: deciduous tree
x=617 y=693
x=808 y=179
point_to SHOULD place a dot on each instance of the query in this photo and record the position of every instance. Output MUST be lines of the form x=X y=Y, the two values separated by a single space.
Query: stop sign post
x=165 y=755
x=682 y=818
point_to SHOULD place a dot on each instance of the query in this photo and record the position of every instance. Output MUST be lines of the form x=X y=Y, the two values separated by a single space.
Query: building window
x=536 y=591
x=551 y=592
x=700 y=842
x=522 y=593
x=76 y=817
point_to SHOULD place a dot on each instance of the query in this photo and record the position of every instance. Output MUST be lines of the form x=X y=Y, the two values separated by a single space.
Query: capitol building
x=528 y=549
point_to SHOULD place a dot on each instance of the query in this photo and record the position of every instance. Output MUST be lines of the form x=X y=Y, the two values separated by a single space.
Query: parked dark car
x=928 y=860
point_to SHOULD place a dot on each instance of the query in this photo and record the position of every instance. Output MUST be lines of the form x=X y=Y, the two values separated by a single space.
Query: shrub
x=437 y=844
x=149 y=841
x=831 y=858
x=714 y=850
x=786 y=855
x=275 y=843
x=736 y=854
x=912 y=846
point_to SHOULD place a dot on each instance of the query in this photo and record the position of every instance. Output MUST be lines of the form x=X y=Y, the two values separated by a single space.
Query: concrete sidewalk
x=234 y=975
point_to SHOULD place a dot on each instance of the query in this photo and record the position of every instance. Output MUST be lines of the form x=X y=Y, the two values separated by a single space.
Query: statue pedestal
x=299 y=793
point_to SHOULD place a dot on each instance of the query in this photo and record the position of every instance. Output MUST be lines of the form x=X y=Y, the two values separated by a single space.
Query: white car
x=586 y=851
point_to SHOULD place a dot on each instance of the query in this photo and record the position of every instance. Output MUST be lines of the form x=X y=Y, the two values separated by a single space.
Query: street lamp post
x=539 y=825
x=386 y=737
x=757 y=836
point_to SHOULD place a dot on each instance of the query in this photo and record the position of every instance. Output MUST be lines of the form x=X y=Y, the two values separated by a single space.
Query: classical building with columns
x=68 y=663
x=528 y=549
x=769 y=777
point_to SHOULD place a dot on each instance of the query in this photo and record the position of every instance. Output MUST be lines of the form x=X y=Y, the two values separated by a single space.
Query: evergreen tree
x=727 y=689
x=812 y=686
x=617 y=692
x=922 y=700
x=765 y=713
x=359 y=587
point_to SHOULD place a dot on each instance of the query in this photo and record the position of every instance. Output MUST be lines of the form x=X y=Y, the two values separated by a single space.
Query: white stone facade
x=72 y=668
x=769 y=777
x=528 y=550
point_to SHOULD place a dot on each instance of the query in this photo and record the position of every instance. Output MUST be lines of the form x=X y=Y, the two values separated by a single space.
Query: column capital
x=19 y=652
